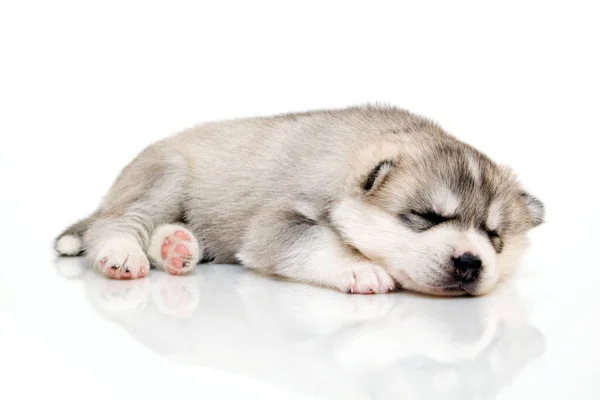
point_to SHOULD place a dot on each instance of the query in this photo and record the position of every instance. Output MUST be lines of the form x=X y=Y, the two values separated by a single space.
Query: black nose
x=467 y=267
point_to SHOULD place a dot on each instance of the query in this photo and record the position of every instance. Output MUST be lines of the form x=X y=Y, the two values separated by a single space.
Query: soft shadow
x=321 y=342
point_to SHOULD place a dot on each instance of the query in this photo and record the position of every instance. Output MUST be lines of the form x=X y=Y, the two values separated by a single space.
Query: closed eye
x=432 y=217
x=422 y=221
x=492 y=233
x=495 y=239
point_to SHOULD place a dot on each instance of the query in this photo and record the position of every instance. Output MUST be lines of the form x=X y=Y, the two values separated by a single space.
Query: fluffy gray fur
x=337 y=198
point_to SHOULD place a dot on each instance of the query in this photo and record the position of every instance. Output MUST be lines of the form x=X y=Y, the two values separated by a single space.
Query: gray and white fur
x=364 y=199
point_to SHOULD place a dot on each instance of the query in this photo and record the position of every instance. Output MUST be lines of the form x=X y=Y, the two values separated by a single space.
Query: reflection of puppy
x=481 y=376
x=118 y=298
x=341 y=346
x=176 y=297
x=361 y=199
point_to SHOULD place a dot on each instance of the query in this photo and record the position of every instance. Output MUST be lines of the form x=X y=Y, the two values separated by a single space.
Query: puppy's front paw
x=366 y=278
x=174 y=249
x=123 y=260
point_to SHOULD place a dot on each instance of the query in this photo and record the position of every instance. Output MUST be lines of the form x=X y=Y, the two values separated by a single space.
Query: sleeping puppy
x=364 y=199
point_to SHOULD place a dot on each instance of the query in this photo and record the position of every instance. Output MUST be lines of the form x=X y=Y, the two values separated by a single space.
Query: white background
x=85 y=85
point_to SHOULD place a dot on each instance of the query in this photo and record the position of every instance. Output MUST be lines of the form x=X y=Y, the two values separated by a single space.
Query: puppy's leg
x=115 y=250
x=174 y=249
x=288 y=244
x=148 y=193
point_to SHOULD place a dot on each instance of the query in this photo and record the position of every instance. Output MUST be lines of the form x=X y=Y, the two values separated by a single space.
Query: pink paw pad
x=182 y=250
x=176 y=253
x=182 y=235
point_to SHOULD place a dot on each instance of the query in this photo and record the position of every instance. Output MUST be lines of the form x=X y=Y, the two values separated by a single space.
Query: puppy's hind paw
x=174 y=249
x=123 y=260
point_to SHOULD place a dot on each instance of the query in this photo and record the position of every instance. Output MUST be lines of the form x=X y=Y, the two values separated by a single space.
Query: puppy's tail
x=70 y=241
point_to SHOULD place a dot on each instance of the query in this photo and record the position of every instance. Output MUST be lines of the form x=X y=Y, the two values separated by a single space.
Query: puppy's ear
x=536 y=209
x=377 y=176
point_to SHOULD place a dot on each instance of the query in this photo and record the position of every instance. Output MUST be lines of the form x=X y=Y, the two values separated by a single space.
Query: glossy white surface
x=83 y=89
x=305 y=339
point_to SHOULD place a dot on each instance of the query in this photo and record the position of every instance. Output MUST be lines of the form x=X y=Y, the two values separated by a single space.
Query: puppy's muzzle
x=467 y=267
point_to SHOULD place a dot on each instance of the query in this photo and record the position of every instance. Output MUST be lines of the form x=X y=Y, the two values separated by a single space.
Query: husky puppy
x=364 y=199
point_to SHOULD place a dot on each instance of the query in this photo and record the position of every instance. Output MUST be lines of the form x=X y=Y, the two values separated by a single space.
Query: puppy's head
x=440 y=216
